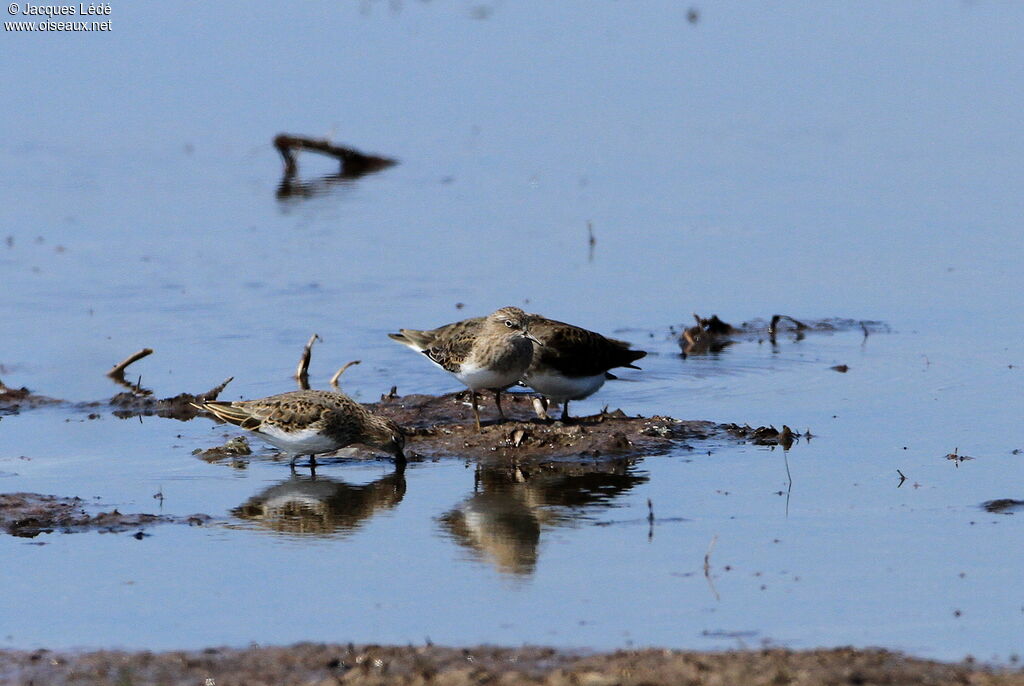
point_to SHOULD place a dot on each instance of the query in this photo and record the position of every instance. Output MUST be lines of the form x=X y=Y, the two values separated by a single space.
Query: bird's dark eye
x=510 y=324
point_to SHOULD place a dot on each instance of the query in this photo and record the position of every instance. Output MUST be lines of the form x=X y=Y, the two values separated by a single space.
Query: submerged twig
x=353 y=162
x=776 y=318
x=302 y=371
x=337 y=374
x=707 y=566
x=117 y=373
x=650 y=519
x=789 y=478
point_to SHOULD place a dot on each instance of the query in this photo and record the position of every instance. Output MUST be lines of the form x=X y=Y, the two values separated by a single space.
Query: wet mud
x=440 y=426
x=319 y=664
x=29 y=514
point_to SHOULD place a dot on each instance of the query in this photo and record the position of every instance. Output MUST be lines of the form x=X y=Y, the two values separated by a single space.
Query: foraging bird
x=311 y=422
x=488 y=353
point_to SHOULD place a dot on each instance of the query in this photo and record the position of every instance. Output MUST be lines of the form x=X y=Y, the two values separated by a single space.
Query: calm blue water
x=774 y=157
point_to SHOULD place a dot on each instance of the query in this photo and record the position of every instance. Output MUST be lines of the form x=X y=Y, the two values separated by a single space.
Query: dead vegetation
x=135 y=401
x=13 y=400
x=710 y=335
x=352 y=165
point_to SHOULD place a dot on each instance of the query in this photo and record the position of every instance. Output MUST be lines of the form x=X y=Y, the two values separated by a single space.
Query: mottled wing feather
x=437 y=337
x=232 y=415
x=287 y=410
x=452 y=352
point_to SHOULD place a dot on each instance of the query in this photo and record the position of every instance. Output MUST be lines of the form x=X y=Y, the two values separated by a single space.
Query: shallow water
x=770 y=158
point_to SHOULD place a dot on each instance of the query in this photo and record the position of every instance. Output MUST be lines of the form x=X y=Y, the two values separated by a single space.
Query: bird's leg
x=312 y=461
x=476 y=410
x=540 y=406
x=565 y=411
x=497 y=402
x=292 y=463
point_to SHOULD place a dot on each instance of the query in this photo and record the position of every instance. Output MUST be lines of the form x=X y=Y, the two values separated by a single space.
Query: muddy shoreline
x=321 y=664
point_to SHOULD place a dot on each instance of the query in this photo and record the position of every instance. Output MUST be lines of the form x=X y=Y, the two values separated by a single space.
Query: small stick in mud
x=337 y=374
x=216 y=390
x=302 y=371
x=117 y=373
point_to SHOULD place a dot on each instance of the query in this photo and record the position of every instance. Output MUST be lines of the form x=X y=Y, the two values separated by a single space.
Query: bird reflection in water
x=316 y=506
x=503 y=519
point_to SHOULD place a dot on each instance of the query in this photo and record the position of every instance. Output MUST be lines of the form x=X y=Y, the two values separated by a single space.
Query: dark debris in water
x=766 y=435
x=13 y=400
x=235 y=447
x=957 y=458
x=712 y=335
x=353 y=164
x=1003 y=505
x=30 y=514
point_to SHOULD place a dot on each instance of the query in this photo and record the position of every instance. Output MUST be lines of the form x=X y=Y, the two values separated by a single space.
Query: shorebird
x=311 y=422
x=572 y=363
x=485 y=353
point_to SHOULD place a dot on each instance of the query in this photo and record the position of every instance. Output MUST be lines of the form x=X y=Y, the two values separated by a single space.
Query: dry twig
x=302 y=371
x=117 y=373
x=337 y=374
x=353 y=162
x=216 y=390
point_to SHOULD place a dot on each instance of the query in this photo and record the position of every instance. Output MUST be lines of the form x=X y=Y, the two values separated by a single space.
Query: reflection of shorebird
x=503 y=520
x=311 y=422
x=319 y=506
x=490 y=354
x=571 y=363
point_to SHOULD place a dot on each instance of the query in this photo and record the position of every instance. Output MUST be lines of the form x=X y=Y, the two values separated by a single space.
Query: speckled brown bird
x=489 y=353
x=571 y=363
x=311 y=422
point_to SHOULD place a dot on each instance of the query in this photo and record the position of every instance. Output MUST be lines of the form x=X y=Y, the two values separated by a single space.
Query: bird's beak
x=530 y=337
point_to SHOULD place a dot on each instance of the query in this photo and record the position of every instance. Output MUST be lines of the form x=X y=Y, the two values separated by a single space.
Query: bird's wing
x=421 y=340
x=575 y=351
x=252 y=414
x=452 y=352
